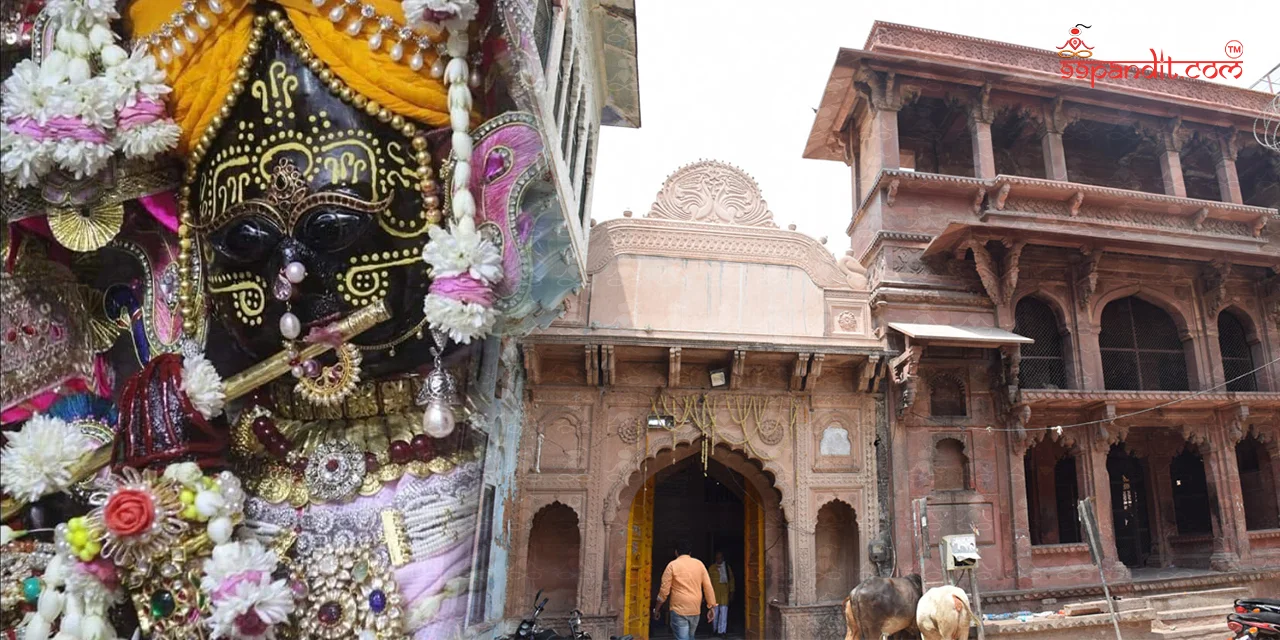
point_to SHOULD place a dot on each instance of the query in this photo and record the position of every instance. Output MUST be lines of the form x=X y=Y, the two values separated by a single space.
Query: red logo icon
x=1075 y=47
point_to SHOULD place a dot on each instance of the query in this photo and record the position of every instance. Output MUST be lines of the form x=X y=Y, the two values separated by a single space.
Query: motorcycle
x=529 y=628
x=1255 y=619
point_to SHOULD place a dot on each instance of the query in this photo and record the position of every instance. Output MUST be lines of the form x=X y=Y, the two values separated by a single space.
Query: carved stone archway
x=777 y=556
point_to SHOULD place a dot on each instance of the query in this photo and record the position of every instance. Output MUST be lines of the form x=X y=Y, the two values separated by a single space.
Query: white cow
x=943 y=614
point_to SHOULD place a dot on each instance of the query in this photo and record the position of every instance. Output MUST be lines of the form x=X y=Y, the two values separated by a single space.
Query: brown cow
x=881 y=607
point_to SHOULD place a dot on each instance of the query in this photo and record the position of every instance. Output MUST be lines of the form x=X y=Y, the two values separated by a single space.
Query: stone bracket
x=905 y=370
x=739 y=366
x=1077 y=199
x=673 y=367
x=867 y=376
x=608 y=367
x=1087 y=282
x=798 y=371
x=999 y=280
x=1011 y=355
x=1237 y=420
x=532 y=364
x=815 y=371
x=978 y=196
x=1108 y=432
x=891 y=192
x=1215 y=286
x=1198 y=218
x=1001 y=196
x=592 y=364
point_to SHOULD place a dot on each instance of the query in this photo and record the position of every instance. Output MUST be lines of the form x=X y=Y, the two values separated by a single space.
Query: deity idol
x=258 y=360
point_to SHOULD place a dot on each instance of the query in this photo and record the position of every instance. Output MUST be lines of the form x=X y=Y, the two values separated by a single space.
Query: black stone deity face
x=298 y=175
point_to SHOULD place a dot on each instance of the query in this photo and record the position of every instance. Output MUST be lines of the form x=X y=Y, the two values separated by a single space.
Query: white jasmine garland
x=203 y=385
x=37 y=459
x=82 y=14
x=64 y=86
x=149 y=140
x=23 y=159
x=462 y=249
x=462 y=320
x=80 y=158
x=237 y=581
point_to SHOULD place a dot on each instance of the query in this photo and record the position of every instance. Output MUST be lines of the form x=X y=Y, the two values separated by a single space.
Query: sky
x=738 y=81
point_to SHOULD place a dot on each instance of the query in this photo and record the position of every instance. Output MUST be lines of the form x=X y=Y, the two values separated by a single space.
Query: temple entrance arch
x=670 y=498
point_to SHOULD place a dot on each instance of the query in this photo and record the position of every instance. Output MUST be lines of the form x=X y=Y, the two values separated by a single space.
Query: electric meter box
x=960 y=552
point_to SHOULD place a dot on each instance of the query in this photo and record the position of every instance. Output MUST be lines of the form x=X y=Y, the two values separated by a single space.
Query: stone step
x=1193 y=599
x=1193 y=617
x=1217 y=631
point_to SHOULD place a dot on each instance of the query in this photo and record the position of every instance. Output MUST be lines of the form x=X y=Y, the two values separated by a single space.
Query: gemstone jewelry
x=440 y=512
x=335 y=470
x=438 y=394
x=347 y=592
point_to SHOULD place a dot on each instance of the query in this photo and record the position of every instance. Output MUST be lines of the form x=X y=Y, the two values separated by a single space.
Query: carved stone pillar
x=885 y=97
x=1226 y=506
x=1091 y=376
x=1055 y=157
x=1022 y=558
x=1228 y=179
x=1164 y=522
x=1098 y=485
x=1168 y=149
x=884 y=130
x=980 y=117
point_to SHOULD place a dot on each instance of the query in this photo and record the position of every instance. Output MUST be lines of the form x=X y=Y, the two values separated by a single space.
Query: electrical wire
x=1163 y=405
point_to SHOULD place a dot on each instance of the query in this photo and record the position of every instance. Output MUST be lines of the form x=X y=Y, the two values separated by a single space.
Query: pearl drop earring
x=438 y=393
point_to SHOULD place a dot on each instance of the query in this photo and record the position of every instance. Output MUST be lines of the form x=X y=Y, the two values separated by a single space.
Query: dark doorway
x=706 y=509
x=1128 y=475
x=1190 y=493
x=1052 y=492
x=1257 y=485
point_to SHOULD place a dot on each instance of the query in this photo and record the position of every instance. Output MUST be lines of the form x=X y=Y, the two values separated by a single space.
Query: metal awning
x=944 y=334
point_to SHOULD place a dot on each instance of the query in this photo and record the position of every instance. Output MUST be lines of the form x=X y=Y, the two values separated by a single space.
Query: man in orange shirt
x=687 y=582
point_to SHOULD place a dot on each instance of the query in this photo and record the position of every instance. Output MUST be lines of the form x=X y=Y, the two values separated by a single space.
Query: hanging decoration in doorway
x=746 y=411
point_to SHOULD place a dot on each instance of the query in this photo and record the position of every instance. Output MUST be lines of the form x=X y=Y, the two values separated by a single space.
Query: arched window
x=950 y=466
x=1237 y=353
x=553 y=557
x=1141 y=349
x=1043 y=366
x=946 y=396
x=836 y=544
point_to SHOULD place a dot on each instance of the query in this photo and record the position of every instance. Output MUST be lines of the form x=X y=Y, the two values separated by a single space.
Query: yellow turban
x=201 y=79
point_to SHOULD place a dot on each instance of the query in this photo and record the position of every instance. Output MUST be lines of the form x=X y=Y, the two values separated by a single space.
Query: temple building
x=1079 y=283
x=731 y=405
x=1054 y=291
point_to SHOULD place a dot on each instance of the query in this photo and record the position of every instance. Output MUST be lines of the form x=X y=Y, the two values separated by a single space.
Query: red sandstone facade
x=1027 y=252
x=1130 y=229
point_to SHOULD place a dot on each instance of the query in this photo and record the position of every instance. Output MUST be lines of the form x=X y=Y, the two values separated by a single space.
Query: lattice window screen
x=1141 y=348
x=1237 y=355
x=1043 y=366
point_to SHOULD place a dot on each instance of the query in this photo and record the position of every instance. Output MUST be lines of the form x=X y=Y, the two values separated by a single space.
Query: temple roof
x=940 y=56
